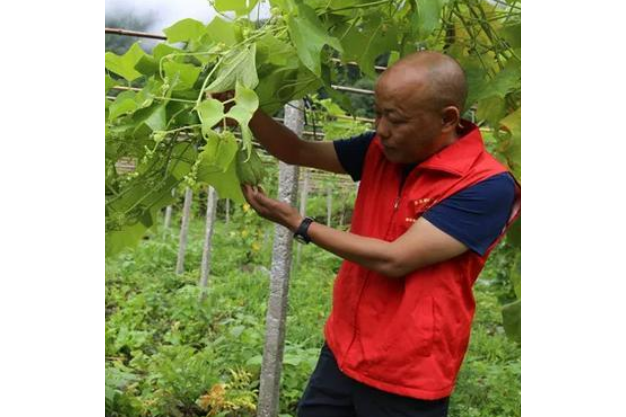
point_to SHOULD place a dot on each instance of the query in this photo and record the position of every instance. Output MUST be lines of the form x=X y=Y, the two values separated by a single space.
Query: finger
x=252 y=198
x=247 y=192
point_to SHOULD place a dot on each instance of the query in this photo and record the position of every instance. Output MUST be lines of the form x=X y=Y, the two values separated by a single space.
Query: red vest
x=408 y=336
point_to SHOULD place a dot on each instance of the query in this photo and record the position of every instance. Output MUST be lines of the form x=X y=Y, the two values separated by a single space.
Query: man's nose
x=382 y=128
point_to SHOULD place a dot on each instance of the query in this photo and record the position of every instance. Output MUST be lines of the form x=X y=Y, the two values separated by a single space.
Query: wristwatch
x=301 y=234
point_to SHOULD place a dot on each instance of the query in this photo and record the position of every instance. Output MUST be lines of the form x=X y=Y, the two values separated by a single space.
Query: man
x=431 y=205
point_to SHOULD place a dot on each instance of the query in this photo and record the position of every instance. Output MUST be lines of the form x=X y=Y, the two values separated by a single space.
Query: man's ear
x=450 y=118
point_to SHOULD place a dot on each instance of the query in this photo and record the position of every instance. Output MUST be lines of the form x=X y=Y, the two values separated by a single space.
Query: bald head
x=430 y=79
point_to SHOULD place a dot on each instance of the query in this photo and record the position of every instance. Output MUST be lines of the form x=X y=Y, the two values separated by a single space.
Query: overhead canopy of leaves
x=165 y=128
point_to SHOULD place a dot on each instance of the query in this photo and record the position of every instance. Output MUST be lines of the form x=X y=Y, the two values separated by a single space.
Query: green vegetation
x=170 y=354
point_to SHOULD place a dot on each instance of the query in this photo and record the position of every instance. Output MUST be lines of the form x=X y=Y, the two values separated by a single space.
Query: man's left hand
x=270 y=209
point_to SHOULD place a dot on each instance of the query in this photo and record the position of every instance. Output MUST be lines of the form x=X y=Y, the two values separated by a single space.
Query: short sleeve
x=476 y=215
x=351 y=153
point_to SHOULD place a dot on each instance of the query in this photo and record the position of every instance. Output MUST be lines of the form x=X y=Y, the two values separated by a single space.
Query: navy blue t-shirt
x=474 y=216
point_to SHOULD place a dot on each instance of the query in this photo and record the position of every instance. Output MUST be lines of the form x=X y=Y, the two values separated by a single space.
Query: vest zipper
x=405 y=176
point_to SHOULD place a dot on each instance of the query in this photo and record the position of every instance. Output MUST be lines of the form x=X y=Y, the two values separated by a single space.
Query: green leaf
x=124 y=65
x=512 y=320
x=225 y=32
x=246 y=98
x=184 y=156
x=514 y=235
x=274 y=89
x=124 y=103
x=145 y=97
x=187 y=74
x=393 y=58
x=155 y=118
x=335 y=95
x=219 y=151
x=160 y=195
x=226 y=184
x=309 y=35
x=506 y=80
x=210 y=112
x=510 y=134
x=184 y=31
x=293 y=360
x=282 y=4
x=516 y=275
x=164 y=49
x=365 y=44
x=128 y=236
x=255 y=360
x=239 y=65
x=250 y=167
x=427 y=16
x=108 y=83
x=182 y=114
x=476 y=77
x=247 y=103
x=273 y=51
x=512 y=34
x=332 y=108
x=147 y=65
x=237 y=330
x=491 y=109
x=241 y=7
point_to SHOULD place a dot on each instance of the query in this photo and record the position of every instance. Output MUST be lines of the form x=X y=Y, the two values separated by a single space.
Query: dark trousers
x=330 y=393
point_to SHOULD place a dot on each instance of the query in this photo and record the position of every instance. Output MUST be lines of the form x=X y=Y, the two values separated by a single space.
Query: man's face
x=409 y=130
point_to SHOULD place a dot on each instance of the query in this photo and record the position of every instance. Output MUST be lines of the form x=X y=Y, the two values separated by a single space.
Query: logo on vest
x=419 y=207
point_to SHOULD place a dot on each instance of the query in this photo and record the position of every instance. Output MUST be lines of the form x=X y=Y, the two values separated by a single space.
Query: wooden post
x=205 y=266
x=271 y=367
x=184 y=229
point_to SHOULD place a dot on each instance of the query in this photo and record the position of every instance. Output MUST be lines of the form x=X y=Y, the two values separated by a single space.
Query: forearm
x=421 y=246
x=277 y=139
x=374 y=254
